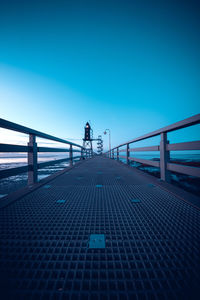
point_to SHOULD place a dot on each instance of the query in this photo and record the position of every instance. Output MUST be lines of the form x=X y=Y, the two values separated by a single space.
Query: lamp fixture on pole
x=105 y=132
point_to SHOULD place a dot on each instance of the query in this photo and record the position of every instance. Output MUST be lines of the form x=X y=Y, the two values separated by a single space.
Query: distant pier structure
x=99 y=145
x=88 y=139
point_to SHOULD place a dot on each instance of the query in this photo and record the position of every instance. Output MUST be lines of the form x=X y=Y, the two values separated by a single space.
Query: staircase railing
x=32 y=149
x=164 y=148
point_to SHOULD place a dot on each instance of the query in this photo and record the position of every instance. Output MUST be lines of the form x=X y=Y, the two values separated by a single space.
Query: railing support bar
x=70 y=156
x=127 y=154
x=117 y=153
x=164 y=158
x=81 y=153
x=32 y=160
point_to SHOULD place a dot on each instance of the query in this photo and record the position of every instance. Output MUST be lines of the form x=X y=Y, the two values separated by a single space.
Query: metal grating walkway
x=151 y=244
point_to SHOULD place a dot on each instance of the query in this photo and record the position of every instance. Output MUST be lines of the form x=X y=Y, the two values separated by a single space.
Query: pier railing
x=32 y=150
x=164 y=148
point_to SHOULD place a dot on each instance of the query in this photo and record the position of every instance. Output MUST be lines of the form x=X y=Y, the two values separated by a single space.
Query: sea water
x=10 y=160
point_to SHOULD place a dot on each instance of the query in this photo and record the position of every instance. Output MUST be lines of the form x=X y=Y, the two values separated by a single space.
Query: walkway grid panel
x=151 y=245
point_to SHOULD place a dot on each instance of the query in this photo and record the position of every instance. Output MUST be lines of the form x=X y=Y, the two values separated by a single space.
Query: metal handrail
x=20 y=148
x=175 y=126
x=19 y=128
x=164 y=148
x=32 y=149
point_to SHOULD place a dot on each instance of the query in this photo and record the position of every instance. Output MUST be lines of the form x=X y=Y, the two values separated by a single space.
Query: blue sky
x=131 y=66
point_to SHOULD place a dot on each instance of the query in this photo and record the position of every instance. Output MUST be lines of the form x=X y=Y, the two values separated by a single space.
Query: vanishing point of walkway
x=148 y=248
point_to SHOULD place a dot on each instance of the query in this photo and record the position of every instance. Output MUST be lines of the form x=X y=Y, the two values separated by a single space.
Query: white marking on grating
x=61 y=201
x=47 y=186
x=97 y=241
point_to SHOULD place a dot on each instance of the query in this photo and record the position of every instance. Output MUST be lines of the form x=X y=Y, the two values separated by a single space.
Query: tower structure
x=99 y=145
x=87 y=141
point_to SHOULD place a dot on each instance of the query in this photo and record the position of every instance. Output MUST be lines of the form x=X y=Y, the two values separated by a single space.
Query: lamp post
x=105 y=132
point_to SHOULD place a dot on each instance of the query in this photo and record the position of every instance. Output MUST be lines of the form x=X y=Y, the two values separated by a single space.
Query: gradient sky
x=131 y=66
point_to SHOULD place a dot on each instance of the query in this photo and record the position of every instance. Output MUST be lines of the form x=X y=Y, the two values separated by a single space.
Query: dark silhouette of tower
x=87 y=141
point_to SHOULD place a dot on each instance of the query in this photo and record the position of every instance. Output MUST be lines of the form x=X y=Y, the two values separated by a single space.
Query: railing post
x=127 y=154
x=81 y=153
x=32 y=160
x=117 y=153
x=164 y=158
x=70 y=156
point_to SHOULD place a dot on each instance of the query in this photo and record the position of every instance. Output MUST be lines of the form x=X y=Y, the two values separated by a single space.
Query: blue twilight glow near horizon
x=130 y=66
